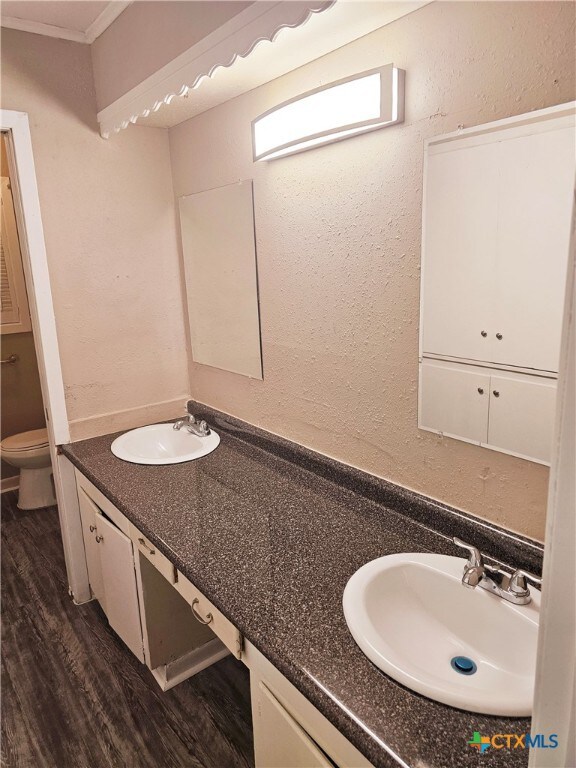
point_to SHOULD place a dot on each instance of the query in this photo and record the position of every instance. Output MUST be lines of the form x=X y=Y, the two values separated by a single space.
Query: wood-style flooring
x=73 y=696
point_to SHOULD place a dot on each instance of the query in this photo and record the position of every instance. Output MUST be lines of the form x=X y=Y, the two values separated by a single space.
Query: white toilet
x=30 y=452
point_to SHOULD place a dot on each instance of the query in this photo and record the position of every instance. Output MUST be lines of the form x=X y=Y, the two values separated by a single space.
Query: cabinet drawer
x=208 y=614
x=151 y=553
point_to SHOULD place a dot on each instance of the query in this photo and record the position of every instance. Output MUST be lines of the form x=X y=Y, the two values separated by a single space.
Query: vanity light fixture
x=348 y=107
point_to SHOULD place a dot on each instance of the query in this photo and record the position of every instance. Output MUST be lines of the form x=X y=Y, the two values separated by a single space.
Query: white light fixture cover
x=333 y=112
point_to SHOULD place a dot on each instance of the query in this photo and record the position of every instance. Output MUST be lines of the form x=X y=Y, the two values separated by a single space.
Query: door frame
x=37 y=277
x=555 y=685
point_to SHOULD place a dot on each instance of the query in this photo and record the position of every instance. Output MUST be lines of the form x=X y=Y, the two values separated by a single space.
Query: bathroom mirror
x=218 y=244
x=495 y=240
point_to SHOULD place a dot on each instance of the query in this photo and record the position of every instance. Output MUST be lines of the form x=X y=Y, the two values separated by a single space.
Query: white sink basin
x=411 y=615
x=162 y=444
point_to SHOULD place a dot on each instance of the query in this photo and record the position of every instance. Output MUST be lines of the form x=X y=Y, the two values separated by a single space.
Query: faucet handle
x=518 y=582
x=475 y=557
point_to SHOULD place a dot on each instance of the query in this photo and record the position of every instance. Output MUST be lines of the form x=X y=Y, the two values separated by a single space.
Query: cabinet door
x=279 y=741
x=535 y=192
x=459 y=247
x=454 y=401
x=88 y=514
x=522 y=415
x=119 y=581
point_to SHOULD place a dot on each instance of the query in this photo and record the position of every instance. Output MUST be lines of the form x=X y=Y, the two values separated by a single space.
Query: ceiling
x=79 y=20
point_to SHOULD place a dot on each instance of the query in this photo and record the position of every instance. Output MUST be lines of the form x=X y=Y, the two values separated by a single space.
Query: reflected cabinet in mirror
x=496 y=226
x=218 y=245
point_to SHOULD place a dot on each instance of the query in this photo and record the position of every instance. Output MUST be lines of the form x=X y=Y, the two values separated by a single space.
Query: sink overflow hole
x=463 y=665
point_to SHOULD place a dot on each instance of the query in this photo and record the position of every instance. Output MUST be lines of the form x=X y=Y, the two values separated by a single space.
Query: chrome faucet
x=198 y=428
x=474 y=570
x=510 y=587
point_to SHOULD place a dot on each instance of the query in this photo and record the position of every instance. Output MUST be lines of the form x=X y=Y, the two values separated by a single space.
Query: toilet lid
x=35 y=438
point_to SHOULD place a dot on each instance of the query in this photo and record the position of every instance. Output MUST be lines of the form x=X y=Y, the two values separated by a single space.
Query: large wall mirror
x=219 y=249
x=496 y=232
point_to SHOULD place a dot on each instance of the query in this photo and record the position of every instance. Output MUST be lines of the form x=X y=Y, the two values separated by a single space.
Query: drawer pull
x=92 y=528
x=99 y=539
x=149 y=549
x=199 y=616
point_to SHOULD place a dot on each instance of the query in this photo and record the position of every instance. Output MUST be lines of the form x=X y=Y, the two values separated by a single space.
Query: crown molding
x=102 y=22
x=48 y=30
x=99 y=25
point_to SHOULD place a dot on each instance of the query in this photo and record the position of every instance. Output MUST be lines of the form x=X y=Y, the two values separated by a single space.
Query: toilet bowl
x=30 y=452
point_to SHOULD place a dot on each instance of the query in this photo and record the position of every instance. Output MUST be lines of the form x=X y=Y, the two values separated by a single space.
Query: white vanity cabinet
x=136 y=588
x=170 y=625
x=110 y=561
x=289 y=732
x=496 y=228
x=282 y=742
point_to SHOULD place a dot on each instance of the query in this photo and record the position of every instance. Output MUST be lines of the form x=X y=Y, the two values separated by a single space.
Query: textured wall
x=148 y=35
x=338 y=235
x=109 y=225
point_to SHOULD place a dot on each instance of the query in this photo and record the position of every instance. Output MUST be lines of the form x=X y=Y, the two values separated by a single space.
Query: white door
x=535 y=191
x=458 y=251
x=454 y=401
x=279 y=741
x=88 y=514
x=119 y=580
x=521 y=416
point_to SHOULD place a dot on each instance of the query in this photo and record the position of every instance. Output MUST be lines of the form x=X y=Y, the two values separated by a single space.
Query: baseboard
x=106 y=423
x=10 y=483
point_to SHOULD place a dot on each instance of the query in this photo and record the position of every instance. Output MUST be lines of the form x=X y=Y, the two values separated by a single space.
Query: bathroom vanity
x=247 y=551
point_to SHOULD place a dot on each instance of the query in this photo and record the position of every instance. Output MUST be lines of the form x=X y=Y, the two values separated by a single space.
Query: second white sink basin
x=162 y=444
x=412 y=617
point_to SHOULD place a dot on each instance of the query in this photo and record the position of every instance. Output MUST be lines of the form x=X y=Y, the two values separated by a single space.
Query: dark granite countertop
x=271 y=533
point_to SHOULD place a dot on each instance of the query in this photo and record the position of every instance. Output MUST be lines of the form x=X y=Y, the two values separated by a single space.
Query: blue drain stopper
x=463 y=665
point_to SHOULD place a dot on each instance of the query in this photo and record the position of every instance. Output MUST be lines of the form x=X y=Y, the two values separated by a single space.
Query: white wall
x=338 y=237
x=109 y=224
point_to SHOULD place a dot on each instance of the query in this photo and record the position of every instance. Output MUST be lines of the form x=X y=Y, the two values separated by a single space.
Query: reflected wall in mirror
x=218 y=244
x=496 y=232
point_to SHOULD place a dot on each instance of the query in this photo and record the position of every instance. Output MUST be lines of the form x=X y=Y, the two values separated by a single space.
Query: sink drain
x=463 y=665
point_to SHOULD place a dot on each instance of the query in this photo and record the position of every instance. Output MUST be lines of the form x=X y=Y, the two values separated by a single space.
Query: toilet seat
x=25 y=441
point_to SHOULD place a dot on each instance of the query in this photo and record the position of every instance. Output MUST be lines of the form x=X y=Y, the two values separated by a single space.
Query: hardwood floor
x=73 y=696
